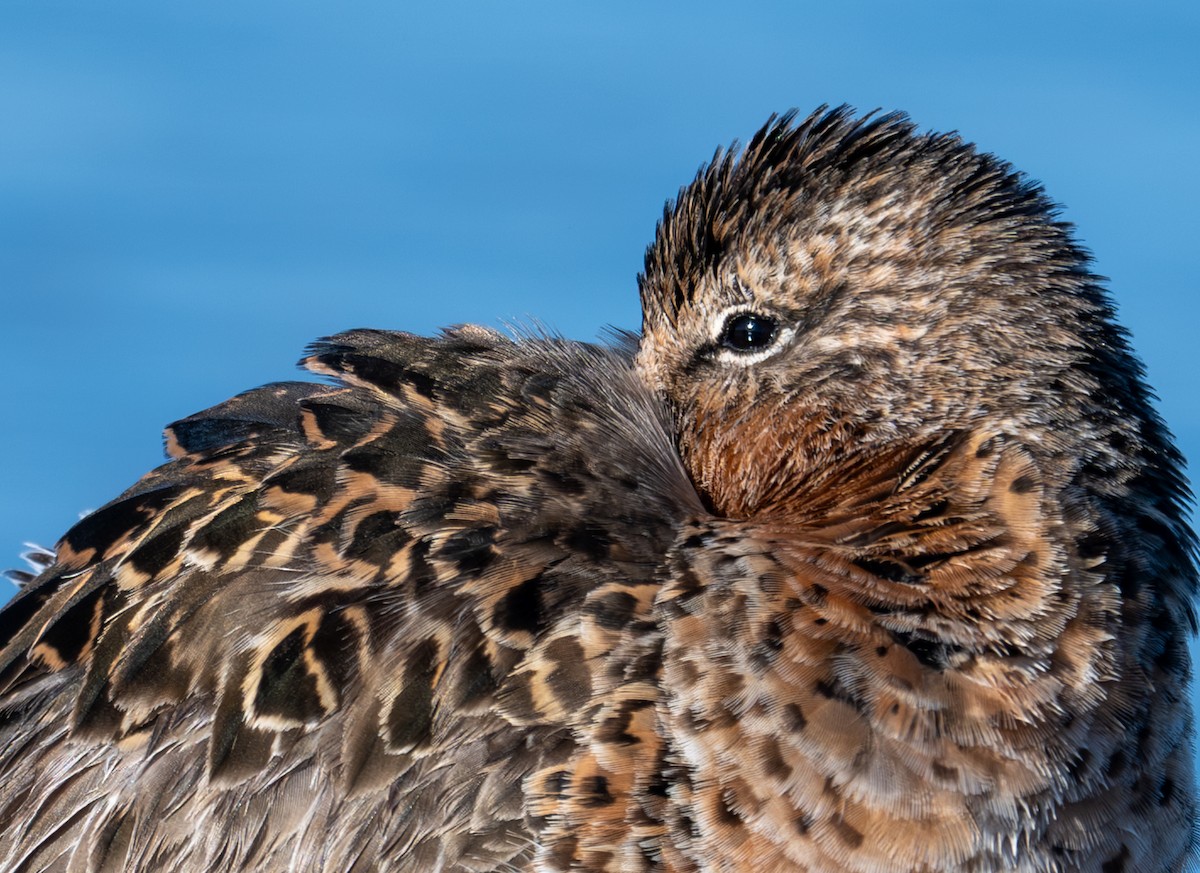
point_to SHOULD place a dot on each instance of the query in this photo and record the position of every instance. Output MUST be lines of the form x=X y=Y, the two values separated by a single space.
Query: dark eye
x=748 y=332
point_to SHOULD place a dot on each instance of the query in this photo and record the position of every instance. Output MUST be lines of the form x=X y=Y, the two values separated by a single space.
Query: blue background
x=189 y=193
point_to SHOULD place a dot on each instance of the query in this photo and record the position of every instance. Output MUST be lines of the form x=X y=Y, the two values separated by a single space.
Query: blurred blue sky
x=189 y=193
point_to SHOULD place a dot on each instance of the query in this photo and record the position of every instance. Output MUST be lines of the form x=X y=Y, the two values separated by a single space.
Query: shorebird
x=868 y=555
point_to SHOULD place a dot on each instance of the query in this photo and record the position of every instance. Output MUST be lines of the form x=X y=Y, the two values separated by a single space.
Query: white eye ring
x=737 y=331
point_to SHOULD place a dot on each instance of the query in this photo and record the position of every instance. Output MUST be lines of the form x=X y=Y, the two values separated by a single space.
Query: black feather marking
x=931 y=653
x=71 y=632
x=317 y=479
x=287 y=689
x=158 y=551
x=92 y=704
x=613 y=610
x=409 y=436
x=271 y=407
x=593 y=791
x=368 y=368
x=97 y=532
x=377 y=538
x=20 y=622
x=420 y=573
x=230 y=529
x=162 y=546
x=342 y=418
x=470 y=550
x=19 y=612
x=424 y=385
x=473 y=681
x=521 y=608
x=410 y=713
x=337 y=645
x=438 y=501
x=589 y=540
x=398 y=457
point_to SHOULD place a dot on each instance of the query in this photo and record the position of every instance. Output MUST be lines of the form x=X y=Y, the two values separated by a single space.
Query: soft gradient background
x=189 y=193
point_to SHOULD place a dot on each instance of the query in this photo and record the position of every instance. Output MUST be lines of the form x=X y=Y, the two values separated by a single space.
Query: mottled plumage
x=869 y=557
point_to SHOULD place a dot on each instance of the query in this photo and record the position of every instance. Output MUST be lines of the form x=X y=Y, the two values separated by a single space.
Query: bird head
x=844 y=283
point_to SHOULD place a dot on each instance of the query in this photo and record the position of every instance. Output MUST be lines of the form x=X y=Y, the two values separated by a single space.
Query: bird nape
x=869 y=555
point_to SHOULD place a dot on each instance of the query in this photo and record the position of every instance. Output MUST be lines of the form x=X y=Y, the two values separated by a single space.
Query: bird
x=869 y=553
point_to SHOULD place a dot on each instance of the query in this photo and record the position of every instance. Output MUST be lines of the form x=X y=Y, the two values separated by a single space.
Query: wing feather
x=346 y=610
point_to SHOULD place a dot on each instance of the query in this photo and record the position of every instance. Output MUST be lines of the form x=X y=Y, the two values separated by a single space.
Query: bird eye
x=748 y=332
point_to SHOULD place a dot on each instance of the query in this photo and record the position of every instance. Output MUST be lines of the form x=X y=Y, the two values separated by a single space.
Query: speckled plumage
x=898 y=582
